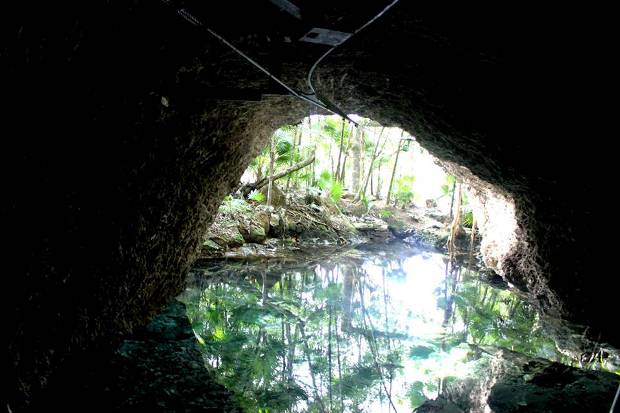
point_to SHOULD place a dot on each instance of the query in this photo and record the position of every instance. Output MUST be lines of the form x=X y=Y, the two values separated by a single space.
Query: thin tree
x=338 y=358
x=356 y=149
x=337 y=174
x=372 y=344
x=372 y=160
x=378 y=174
x=452 y=198
x=293 y=151
x=307 y=351
x=329 y=352
x=389 y=194
x=341 y=176
x=272 y=156
x=456 y=224
x=387 y=325
x=249 y=187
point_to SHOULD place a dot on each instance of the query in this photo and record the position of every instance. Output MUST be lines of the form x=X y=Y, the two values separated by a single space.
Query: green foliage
x=415 y=393
x=335 y=191
x=332 y=128
x=468 y=219
x=324 y=178
x=232 y=206
x=404 y=190
x=386 y=213
x=404 y=197
x=257 y=196
x=446 y=188
x=250 y=338
x=365 y=201
x=357 y=383
x=334 y=188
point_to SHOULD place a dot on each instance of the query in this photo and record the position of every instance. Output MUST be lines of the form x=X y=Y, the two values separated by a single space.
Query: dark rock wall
x=116 y=151
x=511 y=382
x=158 y=368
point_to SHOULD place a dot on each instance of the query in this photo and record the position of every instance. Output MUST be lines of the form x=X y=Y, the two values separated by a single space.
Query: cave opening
x=126 y=126
x=349 y=271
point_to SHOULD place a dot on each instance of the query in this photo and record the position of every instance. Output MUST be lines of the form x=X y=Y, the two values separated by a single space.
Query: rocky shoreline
x=246 y=229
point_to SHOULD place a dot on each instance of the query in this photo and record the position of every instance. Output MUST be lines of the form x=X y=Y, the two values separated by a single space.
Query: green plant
x=335 y=191
x=232 y=206
x=257 y=196
x=404 y=197
x=334 y=188
x=324 y=179
x=468 y=219
x=386 y=213
x=404 y=190
x=365 y=201
x=446 y=188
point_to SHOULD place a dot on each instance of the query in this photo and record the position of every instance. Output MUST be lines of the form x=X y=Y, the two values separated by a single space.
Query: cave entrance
x=352 y=280
x=328 y=179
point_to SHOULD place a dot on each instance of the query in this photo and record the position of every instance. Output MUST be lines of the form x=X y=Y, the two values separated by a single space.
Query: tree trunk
x=377 y=176
x=356 y=149
x=452 y=200
x=372 y=344
x=293 y=149
x=329 y=355
x=347 y=298
x=372 y=189
x=456 y=224
x=372 y=160
x=341 y=173
x=379 y=182
x=339 y=364
x=247 y=188
x=307 y=351
x=337 y=175
x=271 y=159
x=389 y=194
x=331 y=161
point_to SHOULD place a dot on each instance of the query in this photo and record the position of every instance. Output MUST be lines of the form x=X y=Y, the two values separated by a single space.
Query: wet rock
x=253 y=233
x=263 y=219
x=226 y=236
x=357 y=209
x=492 y=278
x=373 y=229
x=328 y=203
x=161 y=369
x=277 y=223
x=209 y=246
x=439 y=405
x=510 y=382
x=431 y=203
x=278 y=199
x=310 y=199
x=158 y=368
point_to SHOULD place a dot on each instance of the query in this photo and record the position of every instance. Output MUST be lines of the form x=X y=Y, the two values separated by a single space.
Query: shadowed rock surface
x=517 y=383
x=124 y=127
x=157 y=369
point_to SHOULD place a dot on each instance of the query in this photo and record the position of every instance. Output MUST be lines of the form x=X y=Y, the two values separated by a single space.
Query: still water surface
x=360 y=330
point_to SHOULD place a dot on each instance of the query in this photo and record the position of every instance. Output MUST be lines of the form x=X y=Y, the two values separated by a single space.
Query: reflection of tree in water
x=327 y=338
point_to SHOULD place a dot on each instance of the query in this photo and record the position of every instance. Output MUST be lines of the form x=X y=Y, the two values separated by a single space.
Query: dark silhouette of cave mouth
x=125 y=128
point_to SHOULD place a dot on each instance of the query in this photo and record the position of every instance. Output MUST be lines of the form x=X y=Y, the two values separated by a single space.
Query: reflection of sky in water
x=415 y=284
x=413 y=298
x=413 y=309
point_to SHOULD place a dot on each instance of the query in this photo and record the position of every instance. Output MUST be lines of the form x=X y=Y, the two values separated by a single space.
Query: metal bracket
x=325 y=36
